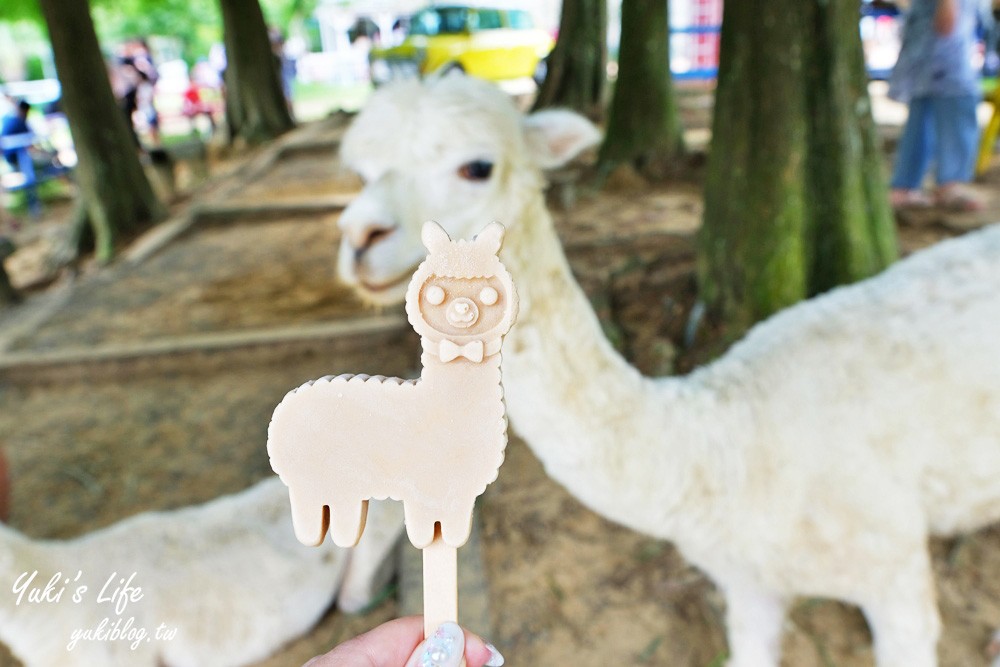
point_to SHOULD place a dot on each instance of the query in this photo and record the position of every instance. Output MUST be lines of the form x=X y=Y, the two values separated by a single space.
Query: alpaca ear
x=433 y=236
x=491 y=236
x=556 y=136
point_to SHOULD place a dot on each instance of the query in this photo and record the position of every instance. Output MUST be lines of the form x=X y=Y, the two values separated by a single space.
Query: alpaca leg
x=371 y=564
x=347 y=521
x=310 y=517
x=904 y=619
x=753 y=625
x=420 y=524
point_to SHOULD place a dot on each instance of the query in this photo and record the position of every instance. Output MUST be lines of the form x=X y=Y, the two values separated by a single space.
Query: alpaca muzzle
x=462 y=313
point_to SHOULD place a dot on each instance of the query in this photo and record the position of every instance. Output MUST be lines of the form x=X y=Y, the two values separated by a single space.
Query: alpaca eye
x=435 y=295
x=477 y=170
x=488 y=296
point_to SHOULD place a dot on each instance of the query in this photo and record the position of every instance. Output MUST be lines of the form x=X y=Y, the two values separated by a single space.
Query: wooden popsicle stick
x=440 y=584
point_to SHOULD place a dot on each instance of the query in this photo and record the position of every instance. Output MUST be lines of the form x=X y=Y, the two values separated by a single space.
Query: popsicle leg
x=420 y=524
x=347 y=521
x=310 y=517
x=456 y=530
x=440 y=584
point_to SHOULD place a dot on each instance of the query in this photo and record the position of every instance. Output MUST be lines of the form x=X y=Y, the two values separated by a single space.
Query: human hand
x=400 y=643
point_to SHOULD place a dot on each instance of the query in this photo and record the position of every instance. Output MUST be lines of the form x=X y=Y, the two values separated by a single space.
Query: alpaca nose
x=462 y=313
x=367 y=236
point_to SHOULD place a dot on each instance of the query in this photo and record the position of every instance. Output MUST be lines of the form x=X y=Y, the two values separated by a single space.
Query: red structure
x=695 y=26
x=707 y=13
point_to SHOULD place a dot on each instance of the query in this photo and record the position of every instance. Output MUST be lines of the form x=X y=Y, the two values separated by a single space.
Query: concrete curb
x=210 y=351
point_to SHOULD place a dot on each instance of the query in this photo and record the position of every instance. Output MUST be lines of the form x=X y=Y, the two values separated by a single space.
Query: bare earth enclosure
x=92 y=442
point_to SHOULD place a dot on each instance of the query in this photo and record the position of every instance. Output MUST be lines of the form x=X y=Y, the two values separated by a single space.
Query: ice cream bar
x=433 y=443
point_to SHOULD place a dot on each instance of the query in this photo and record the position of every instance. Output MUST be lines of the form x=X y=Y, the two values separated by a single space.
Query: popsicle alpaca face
x=461 y=299
x=433 y=443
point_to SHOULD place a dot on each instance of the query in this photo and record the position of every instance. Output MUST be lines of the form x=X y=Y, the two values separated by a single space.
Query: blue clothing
x=934 y=75
x=13 y=124
x=933 y=64
x=943 y=129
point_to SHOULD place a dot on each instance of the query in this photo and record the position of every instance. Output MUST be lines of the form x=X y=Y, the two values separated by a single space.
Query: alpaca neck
x=598 y=426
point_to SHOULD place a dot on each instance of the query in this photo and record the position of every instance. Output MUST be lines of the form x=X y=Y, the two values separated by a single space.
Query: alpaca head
x=461 y=292
x=452 y=149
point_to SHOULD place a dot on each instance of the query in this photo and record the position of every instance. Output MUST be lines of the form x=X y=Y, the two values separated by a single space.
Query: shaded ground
x=566 y=586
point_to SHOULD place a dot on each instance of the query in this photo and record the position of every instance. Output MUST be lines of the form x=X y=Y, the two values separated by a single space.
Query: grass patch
x=316 y=100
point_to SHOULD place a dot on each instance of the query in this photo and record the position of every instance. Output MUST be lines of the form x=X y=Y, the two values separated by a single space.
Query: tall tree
x=256 y=109
x=795 y=197
x=576 y=71
x=115 y=196
x=644 y=126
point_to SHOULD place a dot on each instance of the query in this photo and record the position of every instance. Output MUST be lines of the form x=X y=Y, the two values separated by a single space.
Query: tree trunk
x=256 y=109
x=577 y=67
x=795 y=198
x=8 y=295
x=116 y=197
x=643 y=123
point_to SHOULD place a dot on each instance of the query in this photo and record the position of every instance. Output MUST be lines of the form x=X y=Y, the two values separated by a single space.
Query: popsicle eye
x=435 y=295
x=488 y=296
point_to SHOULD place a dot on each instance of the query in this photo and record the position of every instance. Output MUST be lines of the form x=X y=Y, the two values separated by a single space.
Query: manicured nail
x=445 y=648
x=496 y=659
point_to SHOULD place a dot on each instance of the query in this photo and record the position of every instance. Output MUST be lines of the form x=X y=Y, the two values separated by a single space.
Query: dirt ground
x=566 y=586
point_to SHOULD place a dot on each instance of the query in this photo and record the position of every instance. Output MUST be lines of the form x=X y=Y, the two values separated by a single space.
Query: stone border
x=211 y=352
x=20 y=321
x=219 y=214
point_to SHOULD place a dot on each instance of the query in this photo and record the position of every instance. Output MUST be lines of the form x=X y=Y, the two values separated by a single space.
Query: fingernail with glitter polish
x=445 y=648
x=496 y=659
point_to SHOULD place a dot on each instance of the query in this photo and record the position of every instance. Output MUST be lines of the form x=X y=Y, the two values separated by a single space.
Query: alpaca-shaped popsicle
x=434 y=443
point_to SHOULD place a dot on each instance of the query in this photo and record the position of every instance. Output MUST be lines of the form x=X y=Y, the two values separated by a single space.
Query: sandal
x=957 y=199
x=902 y=199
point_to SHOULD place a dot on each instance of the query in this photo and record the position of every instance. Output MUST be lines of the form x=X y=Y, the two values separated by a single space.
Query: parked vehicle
x=493 y=44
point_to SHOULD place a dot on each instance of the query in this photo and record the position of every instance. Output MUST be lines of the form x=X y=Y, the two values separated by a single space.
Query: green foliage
x=281 y=12
x=24 y=46
x=196 y=23
x=34 y=68
x=12 y=11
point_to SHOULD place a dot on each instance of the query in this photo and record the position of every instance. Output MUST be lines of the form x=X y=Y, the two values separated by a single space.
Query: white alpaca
x=812 y=459
x=434 y=443
x=227 y=578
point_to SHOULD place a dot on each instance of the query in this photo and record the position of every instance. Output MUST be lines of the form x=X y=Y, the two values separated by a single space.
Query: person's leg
x=27 y=167
x=957 y=129
x=915 y=146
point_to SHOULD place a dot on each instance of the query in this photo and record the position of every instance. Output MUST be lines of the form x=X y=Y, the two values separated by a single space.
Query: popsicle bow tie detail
x=449 y=351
